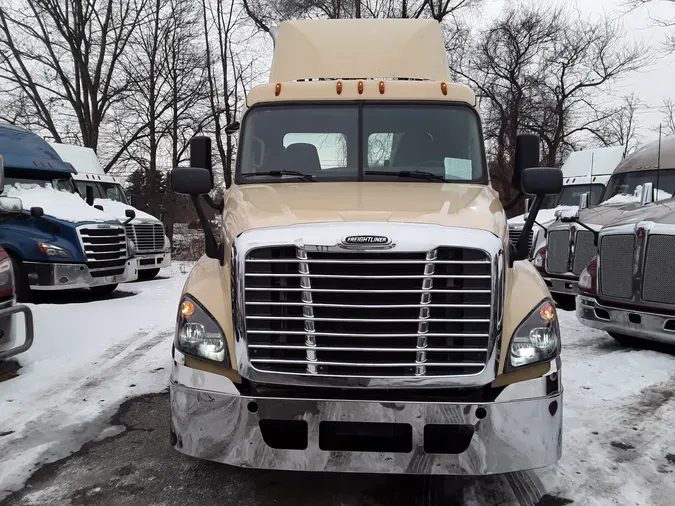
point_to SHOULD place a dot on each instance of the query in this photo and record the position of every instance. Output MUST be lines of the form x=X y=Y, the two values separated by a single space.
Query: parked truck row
x=64 y=225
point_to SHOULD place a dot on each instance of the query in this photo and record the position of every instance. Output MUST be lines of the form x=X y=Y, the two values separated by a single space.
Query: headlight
x=167 y=243
x=53 y=251
x=198 y=334
x=537 y=339
x=539 y=259
x=131 y=247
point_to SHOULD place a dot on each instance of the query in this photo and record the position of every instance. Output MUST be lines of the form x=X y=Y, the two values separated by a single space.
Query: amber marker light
x=277 y=89
x=444 y=88
x=547 y=312
x=381 y=87
x=338 y=87
x=360 y=87
x=187 y=308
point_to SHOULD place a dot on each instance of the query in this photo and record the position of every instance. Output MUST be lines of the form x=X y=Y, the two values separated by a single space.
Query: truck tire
x=148 y=273
x=99 y=291
x=564 y=301
x=21 y=287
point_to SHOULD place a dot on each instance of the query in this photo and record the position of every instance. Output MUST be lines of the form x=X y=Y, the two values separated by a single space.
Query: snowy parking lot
x=85 y=421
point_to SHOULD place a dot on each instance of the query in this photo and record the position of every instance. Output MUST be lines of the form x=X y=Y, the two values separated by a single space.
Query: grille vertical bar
x=425 y=313
x=307 y=311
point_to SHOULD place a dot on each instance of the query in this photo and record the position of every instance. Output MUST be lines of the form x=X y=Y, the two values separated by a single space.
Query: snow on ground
x=87 y=358
x=619 y=407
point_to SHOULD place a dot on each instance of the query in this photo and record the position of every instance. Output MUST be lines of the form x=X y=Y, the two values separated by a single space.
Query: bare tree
x=621 y=126
x=668 y=117
x=266 y=13
x=63 y=55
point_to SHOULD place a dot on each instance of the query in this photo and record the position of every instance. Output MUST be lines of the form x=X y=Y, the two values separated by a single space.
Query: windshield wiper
x=279 y=173
x=415 y=174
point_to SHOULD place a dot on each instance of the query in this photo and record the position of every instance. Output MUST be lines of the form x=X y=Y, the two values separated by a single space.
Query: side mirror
x=647 y=195
x=583 y=201
x=541 y=181
x=37 y=212
x=200 y=154
x=527 y=156
x=2 y=175
x=10 y=205
x=538 y=181
x=132 y=200
x=191 y=181
x=232 y=128
x=90 y=195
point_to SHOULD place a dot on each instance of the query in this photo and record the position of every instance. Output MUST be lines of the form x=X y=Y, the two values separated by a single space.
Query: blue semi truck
x=58 y=242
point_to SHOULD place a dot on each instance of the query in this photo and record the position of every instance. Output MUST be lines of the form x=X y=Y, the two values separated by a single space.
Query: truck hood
x=283 y=204
x=62 y=205
x=660 y=212
x=117 y=209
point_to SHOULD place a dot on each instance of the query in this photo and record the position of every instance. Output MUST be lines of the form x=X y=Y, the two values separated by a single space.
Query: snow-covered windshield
x=626 y=187
x=103 y=190
x=27 y=183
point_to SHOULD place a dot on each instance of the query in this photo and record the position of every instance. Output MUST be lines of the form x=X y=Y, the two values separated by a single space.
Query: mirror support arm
x=521 y=250
x=216 y=206
x=210 y=243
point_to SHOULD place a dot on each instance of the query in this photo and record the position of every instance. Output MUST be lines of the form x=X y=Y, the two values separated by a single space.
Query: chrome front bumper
x=521 y=430
x=153 y=260
x=53 y=276
x=631 y=322
x=565 y=286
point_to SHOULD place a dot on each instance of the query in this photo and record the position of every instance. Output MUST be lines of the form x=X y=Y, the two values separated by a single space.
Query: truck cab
x=57 y=242
x=9 y=310
x=585 y=176
x=153 y=249
x=637 y=185
x=364 y=309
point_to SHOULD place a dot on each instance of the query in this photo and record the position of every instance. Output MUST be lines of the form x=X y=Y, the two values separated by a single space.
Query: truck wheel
x=103 y=290
x=148 y=273
x=564 y=301
x=21 y=287
x=625 y=340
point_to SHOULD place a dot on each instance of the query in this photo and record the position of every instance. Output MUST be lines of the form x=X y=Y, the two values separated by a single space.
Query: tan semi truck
x=364 y=309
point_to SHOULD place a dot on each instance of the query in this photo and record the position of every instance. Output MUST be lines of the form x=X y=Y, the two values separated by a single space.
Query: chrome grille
x=558 y=251
x=584 y=250
x=368 y=314
x=147 y=237
x=105 y=249
x=514 y=235
x=659 y=275
x=616 y=266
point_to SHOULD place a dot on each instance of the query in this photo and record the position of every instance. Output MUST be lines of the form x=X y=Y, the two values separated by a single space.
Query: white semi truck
x=585 y=172
x=153 y=248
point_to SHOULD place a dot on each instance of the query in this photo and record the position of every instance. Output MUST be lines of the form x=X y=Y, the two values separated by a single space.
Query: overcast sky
x=651 y=85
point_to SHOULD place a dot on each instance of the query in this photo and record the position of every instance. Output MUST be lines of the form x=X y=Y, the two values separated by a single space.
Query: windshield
x=102 y=190
x=26 y=183
x=626 y=186
x=569 y=196
x=356 y=143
